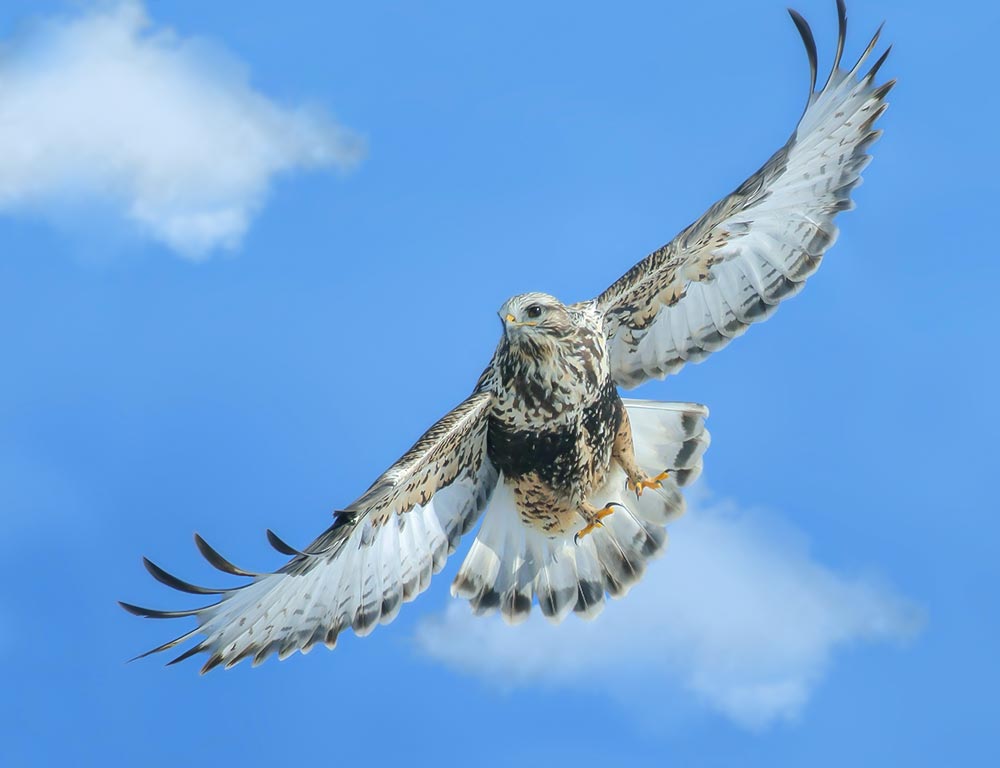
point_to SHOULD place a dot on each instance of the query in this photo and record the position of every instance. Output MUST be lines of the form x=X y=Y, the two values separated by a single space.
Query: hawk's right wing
x=380 y=552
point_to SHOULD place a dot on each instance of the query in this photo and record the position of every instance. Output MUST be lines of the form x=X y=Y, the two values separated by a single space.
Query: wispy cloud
x=108 y=107
x=737 y=613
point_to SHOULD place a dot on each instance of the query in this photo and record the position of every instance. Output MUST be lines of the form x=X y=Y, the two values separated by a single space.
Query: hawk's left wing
x=380 y=552
x=758 y=245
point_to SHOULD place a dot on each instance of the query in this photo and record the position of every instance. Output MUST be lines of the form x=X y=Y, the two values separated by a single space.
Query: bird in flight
x=574 y=484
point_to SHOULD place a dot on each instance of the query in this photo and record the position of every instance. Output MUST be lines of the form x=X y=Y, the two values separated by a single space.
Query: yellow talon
x=591 y=527
x=656 y=482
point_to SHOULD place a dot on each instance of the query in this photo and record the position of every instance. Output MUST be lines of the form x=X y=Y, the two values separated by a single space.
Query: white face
x=533 y=314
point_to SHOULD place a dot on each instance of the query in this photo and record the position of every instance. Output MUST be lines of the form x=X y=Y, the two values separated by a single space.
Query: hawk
x=574 y=483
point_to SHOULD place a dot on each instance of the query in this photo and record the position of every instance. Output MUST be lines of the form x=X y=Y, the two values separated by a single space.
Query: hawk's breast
x=573 y=453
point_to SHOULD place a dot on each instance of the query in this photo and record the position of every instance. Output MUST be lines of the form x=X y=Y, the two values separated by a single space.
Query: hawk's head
x=542 y=337
x=535 y=318
x=537 y=327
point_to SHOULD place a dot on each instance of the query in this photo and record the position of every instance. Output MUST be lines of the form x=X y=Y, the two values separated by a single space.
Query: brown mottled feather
x=452 y=444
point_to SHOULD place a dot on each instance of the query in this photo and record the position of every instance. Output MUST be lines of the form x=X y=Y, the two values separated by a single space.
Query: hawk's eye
x=533 y=311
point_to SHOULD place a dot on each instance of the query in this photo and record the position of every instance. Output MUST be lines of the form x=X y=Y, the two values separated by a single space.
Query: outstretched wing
x=380 y=552
x=758 y=245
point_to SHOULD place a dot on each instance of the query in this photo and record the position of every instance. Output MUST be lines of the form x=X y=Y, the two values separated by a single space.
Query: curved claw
x=587 y=529
x=593 y=526
x=640 y=485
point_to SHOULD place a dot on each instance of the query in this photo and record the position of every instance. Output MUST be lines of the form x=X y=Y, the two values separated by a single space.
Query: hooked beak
x=510 y=324
x=510 y=320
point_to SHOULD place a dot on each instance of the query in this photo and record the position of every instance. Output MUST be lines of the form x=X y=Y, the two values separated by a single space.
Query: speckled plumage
x=545 y=445
x=556 y=410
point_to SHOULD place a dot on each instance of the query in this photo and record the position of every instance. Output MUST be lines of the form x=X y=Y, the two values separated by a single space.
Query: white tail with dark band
x=510 y=563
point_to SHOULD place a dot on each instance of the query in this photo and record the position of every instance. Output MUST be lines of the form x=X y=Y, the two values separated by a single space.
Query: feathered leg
x=624 y=453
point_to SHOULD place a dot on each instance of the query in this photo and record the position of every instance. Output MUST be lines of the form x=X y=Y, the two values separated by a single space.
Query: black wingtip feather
x=841 y=40
x=135 y=610
x=180 y=585
x=281 y=546
x=883 y=90
x=878 y=64
x=166 y=646
x=217 y=561
x=152 y=613
x=805 y=31
x=211 y=664
x=870 y=47
x=192 y=651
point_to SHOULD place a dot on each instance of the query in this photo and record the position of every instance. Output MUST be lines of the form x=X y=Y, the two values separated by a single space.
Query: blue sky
x=229 y=305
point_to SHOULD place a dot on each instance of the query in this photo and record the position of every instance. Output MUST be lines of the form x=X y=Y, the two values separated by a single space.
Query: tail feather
x=555 y=585
x=509 y=563
x=590 y=582
x=476 y=583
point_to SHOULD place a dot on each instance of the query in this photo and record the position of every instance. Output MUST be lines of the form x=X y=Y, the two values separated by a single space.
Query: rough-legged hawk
x=576 y=483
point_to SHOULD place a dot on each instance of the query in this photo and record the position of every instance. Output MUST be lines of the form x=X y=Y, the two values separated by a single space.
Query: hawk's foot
x=640 y=485
x=594 y=520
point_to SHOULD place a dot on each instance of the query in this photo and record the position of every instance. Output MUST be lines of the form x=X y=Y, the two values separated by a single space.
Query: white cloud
x=108 y=108
x=736 y=613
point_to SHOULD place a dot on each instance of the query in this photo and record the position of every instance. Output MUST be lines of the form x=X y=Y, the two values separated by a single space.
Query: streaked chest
x=539 y=393
x=573 y=452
